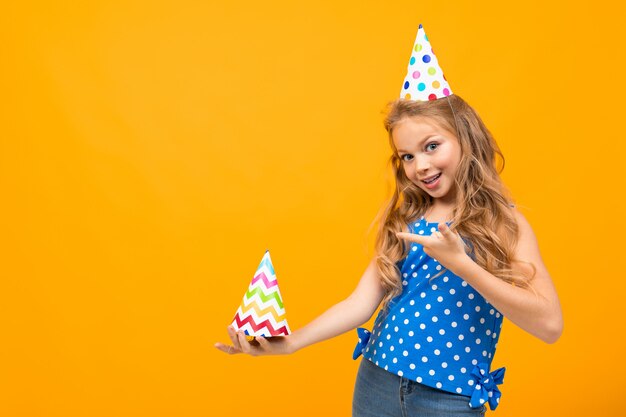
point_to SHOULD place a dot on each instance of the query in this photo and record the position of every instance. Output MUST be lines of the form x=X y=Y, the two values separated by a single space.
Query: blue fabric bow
x=486 y=388
x=364 y=337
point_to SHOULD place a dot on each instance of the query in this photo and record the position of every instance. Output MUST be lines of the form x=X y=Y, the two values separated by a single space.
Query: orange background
x=151 y=152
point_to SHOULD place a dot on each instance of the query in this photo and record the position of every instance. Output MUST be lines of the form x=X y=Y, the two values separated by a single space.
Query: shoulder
x=527 y=244
x=520 y=219
x=525 y=229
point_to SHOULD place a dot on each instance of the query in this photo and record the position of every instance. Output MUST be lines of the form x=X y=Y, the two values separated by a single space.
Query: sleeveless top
x=439 y=332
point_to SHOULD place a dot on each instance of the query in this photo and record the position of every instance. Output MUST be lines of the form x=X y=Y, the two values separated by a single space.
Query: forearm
x=529 y=310
x=340 y=318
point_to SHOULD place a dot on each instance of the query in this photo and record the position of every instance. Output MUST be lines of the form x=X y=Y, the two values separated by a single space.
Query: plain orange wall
x=151 y=151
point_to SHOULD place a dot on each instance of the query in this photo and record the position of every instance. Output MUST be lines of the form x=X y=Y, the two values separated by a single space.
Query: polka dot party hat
x=424 y=79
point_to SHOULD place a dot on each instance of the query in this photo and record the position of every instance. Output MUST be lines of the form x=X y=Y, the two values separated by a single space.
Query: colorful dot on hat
x=426 y=59
x=432 y=70
x=426 y=37
x=407 y=96
x=416 y=74
x=412 y=61
x=436 y=84
x=432 y=97
x=421 y=86
x=446 y=92
x=418 y=47
x=406 y=85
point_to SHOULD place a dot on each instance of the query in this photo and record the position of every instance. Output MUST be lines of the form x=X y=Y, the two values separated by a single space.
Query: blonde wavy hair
x=482 y=216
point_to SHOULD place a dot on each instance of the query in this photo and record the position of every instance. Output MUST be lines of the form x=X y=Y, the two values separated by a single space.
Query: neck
x=440 y=211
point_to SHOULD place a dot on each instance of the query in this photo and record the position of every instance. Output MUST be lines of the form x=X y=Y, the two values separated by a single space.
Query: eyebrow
x=421 y=142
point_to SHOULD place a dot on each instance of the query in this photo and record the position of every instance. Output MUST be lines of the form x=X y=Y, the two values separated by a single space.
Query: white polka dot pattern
x=445 y=326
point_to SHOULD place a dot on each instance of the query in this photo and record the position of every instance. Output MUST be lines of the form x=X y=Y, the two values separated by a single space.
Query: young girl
x=453 y=256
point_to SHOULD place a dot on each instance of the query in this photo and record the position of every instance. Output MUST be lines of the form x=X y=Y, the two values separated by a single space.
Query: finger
x=222 y=347
x=233 y=337
x=245 y=346
x=444 y=229
x=412 y=237
x=447 y=232
x=263 y=343
x=227 y=349
x=437 y=234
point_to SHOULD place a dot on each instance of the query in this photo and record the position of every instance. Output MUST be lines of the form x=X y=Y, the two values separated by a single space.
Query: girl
x=453 y=256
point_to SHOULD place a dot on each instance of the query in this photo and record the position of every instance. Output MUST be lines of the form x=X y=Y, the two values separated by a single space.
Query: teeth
x=434 y=178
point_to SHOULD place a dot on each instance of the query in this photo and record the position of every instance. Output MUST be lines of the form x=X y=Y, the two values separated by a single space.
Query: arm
x=340 y=318
x=345 y=315
x=535 y=310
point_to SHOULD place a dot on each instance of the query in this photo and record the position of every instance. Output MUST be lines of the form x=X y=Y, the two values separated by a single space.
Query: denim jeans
x=378 y=393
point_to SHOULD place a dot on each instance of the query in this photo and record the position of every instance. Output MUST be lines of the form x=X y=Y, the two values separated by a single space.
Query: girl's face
x=430 y=156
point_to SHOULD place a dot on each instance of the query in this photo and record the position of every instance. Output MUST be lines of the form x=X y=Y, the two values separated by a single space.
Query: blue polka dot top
x=439 y=332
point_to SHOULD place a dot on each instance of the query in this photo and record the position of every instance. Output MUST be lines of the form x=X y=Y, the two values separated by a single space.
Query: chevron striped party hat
x=261 y=312
x=424 y=78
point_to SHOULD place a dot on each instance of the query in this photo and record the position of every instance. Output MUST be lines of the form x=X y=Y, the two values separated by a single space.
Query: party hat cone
x=424 y=78
x=261 y=312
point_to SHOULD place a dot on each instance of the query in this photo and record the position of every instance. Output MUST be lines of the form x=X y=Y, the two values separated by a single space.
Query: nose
x=421 y=164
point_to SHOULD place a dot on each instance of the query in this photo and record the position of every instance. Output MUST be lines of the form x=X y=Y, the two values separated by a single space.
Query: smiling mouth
x=432 y=179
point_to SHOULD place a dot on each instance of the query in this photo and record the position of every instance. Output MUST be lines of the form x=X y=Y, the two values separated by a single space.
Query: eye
x=406 y=157
x=432 y=146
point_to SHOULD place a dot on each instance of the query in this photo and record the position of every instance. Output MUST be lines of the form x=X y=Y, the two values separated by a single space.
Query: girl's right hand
x=259 y=346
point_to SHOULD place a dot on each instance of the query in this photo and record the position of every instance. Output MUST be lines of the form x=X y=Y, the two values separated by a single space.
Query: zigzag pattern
x=267 y=282
x=262 y=312
x=267 y=262
x=258 y=328
x=264 y=296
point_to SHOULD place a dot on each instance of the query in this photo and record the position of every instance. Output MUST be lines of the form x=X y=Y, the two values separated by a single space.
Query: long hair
x=482 y=214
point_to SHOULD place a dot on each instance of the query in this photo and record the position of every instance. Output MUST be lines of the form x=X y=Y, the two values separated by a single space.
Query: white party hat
x=424 y=78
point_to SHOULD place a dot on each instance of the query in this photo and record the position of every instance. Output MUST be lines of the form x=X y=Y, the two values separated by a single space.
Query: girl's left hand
x=444 y=245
